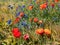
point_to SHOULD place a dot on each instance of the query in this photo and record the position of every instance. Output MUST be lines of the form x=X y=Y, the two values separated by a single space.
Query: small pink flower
x=26 y=36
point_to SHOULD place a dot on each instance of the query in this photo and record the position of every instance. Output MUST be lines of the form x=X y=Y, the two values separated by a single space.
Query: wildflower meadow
x=29 y=22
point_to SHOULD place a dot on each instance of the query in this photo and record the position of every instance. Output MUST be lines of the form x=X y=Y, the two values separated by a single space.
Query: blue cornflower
x=18 y=14
x=23 y=6
x=9 y=22
x=25 y=16
x=24 y=23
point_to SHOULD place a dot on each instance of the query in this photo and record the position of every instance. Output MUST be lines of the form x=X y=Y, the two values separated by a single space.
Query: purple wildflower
x=9 y=22
x=18 y=14
x=23 y=6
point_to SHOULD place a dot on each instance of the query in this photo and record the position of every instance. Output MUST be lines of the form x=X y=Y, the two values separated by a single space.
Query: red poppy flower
x=16 y=33
x=21 y=14
x=16 y=20
x=47 y=31
x=15 y=30
x=43 y=6
x=26 y=37
x=40 y=31
x=30 y=7
x=35 y=20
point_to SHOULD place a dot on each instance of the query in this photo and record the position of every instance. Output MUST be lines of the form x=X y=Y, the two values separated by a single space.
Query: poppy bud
x=35 y=20
x=21 y=14
x=30 y=7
